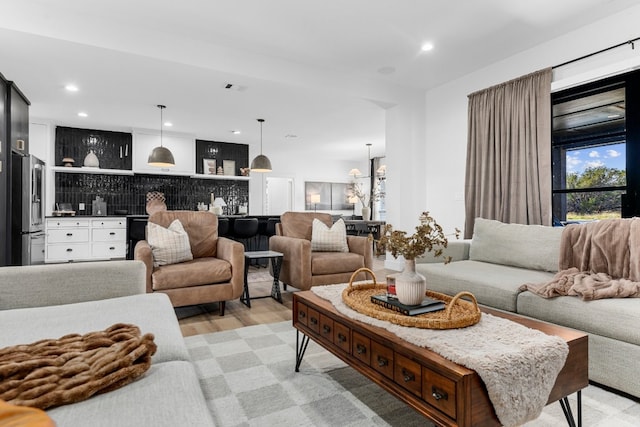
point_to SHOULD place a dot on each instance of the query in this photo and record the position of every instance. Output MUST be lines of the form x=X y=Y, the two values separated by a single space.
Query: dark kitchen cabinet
x=5 y=150
x=19 y=120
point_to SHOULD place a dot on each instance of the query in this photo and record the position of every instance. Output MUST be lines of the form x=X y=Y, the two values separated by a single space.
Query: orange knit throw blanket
x=597 y=260
x=55 y=372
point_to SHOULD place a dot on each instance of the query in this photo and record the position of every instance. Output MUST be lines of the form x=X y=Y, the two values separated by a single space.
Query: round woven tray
x=458 y=313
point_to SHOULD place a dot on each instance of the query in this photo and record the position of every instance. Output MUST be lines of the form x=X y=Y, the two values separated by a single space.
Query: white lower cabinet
x=85 y=239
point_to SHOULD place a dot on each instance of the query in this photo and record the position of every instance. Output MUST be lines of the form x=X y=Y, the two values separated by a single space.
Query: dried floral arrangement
x=358 y=190
x=428 y=237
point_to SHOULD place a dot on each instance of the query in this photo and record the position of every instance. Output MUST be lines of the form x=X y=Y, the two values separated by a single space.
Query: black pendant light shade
x=261 y=163
x=160 y=156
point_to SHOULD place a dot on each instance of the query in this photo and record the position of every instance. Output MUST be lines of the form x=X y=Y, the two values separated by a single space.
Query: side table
x=276 y=264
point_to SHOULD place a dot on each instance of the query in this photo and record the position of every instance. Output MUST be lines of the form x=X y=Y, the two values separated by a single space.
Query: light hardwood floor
x=202 y=319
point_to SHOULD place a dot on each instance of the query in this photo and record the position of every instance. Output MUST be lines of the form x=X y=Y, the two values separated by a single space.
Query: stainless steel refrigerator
x=27 y=210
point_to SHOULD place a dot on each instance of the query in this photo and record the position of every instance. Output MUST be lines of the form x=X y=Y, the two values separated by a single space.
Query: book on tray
x=427 y=305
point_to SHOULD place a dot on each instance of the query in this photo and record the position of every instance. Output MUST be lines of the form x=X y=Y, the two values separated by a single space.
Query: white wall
x=300 y=169
x=446 y=111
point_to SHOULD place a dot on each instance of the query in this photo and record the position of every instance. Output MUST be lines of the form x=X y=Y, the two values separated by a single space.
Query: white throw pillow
x=535 y=247
x=325 y=239
x=168 y=245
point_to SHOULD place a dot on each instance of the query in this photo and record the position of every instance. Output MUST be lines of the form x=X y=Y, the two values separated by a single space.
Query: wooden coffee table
x=445 y=392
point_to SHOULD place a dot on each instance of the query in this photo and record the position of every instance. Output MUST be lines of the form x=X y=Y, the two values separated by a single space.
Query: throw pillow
x=535 y=247
x=325 y=239
x=168 y=245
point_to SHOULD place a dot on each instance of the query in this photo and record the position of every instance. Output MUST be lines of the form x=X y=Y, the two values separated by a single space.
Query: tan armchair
x=216 y=273
x=303 y=268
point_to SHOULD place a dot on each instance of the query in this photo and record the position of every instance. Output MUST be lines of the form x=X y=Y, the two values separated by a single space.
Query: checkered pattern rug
x=248 y=378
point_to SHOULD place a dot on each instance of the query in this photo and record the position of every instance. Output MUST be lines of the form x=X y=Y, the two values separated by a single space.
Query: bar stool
x=244 y=230
x=223 y=227
x=271 y=226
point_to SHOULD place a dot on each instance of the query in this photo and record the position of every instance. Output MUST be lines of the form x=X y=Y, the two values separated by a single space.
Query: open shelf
x=65 y=169
x=227 y=177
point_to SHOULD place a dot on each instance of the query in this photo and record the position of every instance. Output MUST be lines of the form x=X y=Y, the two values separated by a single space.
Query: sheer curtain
x=508 y=174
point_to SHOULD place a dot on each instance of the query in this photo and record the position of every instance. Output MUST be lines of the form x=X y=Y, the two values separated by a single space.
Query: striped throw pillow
x=325 y=239
x=168 y=245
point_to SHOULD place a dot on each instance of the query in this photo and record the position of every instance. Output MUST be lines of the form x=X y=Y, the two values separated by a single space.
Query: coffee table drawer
x=302 y=314
x=361 y=348
x=407 y=374
x=314 y=320
x=382 y=359
x=326 y=328
x=342 y=337
x=439 y=391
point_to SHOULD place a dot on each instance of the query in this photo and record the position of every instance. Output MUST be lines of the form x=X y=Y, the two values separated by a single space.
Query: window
x=593 y=143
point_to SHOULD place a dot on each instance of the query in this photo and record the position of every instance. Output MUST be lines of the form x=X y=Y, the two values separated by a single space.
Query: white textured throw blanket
x=518 y=365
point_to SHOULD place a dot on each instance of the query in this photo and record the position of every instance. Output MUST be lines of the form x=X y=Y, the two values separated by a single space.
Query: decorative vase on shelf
x=91 y=160
x=366 y=213
x=411 y=286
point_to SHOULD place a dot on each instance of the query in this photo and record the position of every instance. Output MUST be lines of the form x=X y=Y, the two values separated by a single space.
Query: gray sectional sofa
x=50 y=301
x=501 y=257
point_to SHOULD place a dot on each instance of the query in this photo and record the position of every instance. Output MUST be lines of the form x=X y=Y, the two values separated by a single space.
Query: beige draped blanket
x=597 y=260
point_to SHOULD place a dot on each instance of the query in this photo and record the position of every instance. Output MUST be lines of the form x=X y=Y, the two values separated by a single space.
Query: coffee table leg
x=566 y=408
x=276 y=264
x=301 y=347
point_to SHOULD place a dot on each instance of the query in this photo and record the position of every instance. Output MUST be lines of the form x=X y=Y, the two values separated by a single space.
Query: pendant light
x=160 y=156
x=261 y=163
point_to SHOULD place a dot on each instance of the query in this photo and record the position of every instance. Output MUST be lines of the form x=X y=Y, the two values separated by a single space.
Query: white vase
x=91 y=160
x=366 y=213
x=411 y=286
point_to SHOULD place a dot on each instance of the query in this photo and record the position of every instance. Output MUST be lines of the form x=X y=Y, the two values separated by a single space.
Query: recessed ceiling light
x=235 y=132
x=82 y=114
x=71 y=88
x=168 y=124
x=427 y=47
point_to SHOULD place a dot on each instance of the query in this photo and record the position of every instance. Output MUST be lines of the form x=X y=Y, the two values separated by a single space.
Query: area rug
x=248 y=378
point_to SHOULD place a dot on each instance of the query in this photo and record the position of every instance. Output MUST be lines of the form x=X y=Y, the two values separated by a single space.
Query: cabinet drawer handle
x=112 y=248
x=112 y=233
x=69 y=234
x=361 y=349
x=69 y=250
x=326 y=329
x=439 y=394
x=382 y=361
x=341 y=337
x=302 y=314
x=313 y=321
x=408 y=376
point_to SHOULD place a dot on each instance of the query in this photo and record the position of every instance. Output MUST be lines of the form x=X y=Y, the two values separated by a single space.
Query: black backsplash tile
x=113 y=149
x=221 y=151
x=129 y=192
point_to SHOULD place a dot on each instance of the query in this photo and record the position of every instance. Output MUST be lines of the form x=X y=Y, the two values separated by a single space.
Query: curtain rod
x=631 y=42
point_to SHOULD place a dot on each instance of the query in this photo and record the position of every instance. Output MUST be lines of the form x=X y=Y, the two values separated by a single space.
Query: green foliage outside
x=595 y=204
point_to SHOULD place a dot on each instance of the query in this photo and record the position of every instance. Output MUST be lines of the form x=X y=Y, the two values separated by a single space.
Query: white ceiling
x=320 y=70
